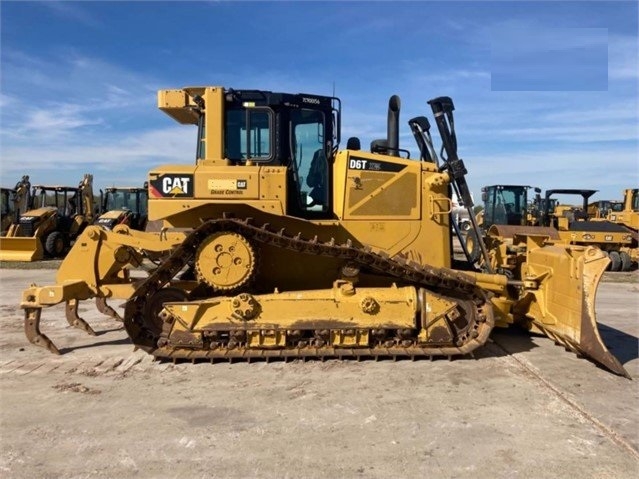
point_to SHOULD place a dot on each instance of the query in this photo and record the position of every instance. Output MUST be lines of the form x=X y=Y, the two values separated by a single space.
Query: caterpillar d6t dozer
x=277 y=244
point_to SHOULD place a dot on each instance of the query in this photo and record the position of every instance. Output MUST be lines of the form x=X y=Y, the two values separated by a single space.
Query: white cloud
x=609 y=170
x=123 y=159
x=72 y=11
x=56 y=121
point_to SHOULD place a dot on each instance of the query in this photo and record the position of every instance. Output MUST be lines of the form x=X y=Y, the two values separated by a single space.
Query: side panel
x=179 y=194
x=395 y=205
x=379 y=187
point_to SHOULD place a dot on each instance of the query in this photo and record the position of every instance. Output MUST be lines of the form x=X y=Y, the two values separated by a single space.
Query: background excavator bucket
x=21 y=249
x=563 y=307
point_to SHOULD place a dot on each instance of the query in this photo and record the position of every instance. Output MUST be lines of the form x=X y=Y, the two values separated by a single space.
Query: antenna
x=333 y=87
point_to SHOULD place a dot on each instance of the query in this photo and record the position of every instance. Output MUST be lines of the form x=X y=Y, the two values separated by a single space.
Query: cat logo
x=172 y=186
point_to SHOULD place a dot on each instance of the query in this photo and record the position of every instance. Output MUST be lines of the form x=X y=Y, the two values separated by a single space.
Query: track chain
x=440 y=280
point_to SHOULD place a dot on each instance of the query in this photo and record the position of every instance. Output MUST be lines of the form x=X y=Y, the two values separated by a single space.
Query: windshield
x=505 y=205
x=117 y=200
x=123 y=199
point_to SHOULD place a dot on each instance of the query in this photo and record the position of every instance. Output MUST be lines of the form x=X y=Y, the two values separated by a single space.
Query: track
x=143 y=327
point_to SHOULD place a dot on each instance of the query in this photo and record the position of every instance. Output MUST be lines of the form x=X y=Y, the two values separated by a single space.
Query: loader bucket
x=563 y=307
x=21 y=249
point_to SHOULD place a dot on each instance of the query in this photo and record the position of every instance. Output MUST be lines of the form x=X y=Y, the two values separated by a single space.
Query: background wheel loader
x=124 y=206
x=279 y=244
x=15 y=201
x=58 y=215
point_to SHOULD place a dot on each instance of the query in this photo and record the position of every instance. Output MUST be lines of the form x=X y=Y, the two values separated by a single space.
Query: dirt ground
x=523 y=408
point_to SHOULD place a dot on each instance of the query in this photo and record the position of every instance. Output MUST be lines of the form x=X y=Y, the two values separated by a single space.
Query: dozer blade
x=21 y=249
x=563 y=308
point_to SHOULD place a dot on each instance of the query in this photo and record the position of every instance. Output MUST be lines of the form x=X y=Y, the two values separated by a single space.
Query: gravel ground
x=524 y=408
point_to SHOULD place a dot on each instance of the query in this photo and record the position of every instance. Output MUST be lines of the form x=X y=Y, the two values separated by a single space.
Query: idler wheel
x=155 y=304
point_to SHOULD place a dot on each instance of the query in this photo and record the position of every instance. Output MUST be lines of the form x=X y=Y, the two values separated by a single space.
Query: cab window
x=247 y=134
x=310 y=161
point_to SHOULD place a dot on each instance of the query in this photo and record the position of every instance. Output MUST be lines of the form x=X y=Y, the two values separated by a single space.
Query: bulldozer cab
x=253 y=133
x=259 y=128
x=505 y=205
x=601 y=209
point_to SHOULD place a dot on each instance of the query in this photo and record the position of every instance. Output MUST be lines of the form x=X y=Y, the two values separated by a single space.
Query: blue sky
x=546 y=93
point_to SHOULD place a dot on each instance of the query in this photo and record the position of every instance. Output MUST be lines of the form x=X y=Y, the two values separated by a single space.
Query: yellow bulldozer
x=14 y=201
x=57 y=216
x=123 y=205
x=598 y=210
x=628 y=217
x=277 y=244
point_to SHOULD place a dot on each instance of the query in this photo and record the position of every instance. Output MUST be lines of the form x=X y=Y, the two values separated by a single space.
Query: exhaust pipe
x=392 y=134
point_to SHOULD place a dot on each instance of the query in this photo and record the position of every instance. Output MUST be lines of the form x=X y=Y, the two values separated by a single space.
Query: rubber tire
x=615 y=261
x=55 y=244
x=472 y=245
x=626 y=261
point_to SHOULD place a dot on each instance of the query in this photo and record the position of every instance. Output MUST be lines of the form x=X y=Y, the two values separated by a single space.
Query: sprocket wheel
x=225 y=261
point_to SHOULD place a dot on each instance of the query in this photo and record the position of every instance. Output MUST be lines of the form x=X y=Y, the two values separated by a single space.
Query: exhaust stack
x=392 y=135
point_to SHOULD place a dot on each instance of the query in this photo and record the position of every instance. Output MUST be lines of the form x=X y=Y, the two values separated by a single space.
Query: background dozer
x=279 y=244
x=58 y=215
x=600 y=209
x=14 y=201
x=124 y=206
x=628 y=217
x=628 y=214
